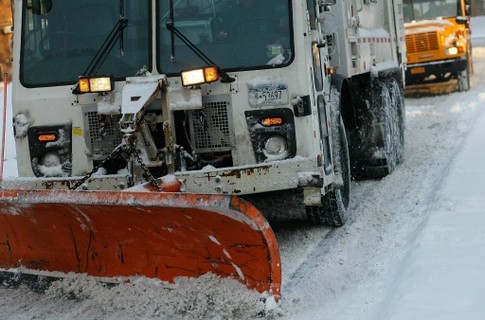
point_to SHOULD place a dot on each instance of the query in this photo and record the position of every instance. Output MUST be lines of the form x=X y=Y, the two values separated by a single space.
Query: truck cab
x=438 y=41
x=226 y=97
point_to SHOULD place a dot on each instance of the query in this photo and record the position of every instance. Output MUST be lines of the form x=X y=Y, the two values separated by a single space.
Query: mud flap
x=152 y=234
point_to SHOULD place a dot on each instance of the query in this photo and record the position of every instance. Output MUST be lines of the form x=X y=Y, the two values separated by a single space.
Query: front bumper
x=279 y=175
x=273 y=176
x=442 y=70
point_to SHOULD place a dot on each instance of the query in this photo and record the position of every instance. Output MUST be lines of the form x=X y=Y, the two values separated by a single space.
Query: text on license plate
x=270 y=95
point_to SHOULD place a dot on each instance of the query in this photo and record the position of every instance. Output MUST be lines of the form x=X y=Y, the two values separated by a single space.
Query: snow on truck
x=140 y=125
x=438 y=41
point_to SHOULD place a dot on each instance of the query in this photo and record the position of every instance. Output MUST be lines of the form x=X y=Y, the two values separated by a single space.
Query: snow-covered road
x=414 y=247
x=364 y=270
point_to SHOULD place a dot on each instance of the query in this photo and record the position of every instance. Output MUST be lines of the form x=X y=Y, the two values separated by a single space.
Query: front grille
x=421 y=42
x=210 y=128
x=103 y=134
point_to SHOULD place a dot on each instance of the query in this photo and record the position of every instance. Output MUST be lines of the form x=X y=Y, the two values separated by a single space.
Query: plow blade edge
x=123 y=234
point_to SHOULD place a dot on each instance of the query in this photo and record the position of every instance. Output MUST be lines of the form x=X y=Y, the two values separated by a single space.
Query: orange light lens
x=47 y=137
x=211 y=74
x=95 y=85
x=84 y=85
x=272 y=122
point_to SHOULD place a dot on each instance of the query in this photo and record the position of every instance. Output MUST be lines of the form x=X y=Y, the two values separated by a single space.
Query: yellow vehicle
x=438 y=41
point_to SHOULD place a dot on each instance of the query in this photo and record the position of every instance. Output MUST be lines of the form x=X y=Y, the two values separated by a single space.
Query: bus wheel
x=464 y=79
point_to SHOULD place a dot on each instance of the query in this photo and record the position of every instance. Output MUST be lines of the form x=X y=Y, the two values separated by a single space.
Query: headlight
x=95 y=85
x=51 y=159
x=275 y=146
x=452 y=51
x=199 y=76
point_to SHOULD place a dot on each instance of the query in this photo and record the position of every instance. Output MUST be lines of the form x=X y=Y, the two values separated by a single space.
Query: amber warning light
x=273 y=122
x=47 y=137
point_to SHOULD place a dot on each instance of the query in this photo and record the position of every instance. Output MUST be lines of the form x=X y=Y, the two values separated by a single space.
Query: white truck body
x=343 y=60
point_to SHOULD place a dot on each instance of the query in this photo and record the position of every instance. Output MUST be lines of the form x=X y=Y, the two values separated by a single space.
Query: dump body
x=437 y=40
x=372 y=38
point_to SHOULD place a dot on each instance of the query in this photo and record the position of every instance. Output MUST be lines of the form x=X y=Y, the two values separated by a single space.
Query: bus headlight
x=452 y=51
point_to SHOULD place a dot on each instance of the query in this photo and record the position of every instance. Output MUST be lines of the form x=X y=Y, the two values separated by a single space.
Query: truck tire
x=335 y=203
x=469 y=56
x=397 y=102
x=386 y=155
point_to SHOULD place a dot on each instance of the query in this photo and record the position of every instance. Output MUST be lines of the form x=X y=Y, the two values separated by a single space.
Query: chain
x=148 y=175
x=131 y=150
x=115 y=152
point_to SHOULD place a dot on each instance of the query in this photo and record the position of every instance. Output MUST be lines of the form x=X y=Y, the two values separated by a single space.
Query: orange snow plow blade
x=122 y=234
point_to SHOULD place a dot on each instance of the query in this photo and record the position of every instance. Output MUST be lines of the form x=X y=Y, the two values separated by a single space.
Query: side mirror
x=328 y=22
x=326 y=2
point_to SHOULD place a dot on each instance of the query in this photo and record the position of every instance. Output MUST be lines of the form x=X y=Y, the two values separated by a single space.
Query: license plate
x=268 y=95
x=418 y=70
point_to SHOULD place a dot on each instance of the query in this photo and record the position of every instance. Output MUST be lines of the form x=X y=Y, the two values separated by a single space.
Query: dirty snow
x=412 y=249
x=85 y=298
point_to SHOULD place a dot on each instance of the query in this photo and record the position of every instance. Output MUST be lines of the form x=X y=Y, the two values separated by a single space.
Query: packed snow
x=413 y=248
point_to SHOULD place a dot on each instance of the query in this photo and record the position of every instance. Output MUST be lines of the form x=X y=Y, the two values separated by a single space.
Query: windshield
x=430 y=9
x=60 y=38
x=235 y=34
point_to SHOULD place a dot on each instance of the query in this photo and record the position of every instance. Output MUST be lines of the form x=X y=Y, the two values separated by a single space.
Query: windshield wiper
x=175 y=32
x=108 y=44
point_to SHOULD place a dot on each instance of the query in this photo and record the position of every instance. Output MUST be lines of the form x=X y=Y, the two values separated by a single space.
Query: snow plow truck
x=140 y=126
